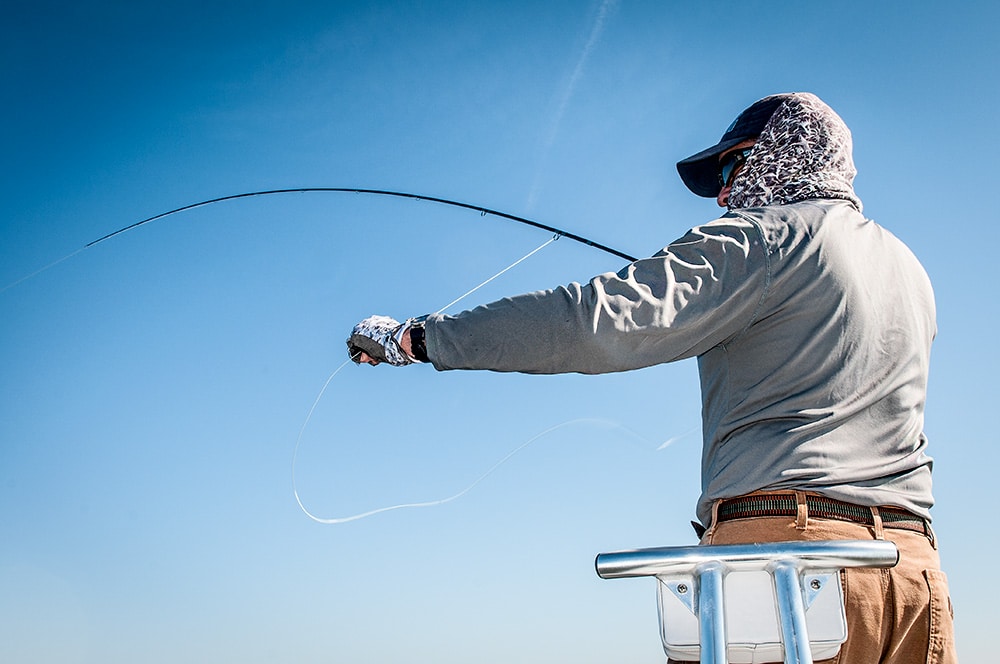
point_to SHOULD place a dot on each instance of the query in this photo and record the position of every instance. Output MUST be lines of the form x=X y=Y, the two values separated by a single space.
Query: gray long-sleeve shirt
x=812 y=327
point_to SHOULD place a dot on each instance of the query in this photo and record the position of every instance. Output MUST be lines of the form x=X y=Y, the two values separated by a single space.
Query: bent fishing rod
x=375 y=192
x=557 y=232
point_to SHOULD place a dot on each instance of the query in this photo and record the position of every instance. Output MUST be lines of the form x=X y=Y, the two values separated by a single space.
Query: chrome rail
x=788 y=563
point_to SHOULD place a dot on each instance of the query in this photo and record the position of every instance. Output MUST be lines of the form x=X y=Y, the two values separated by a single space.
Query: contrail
x=607 y=6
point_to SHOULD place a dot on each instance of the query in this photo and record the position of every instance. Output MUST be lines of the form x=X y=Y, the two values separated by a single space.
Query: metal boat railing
x=795 y=569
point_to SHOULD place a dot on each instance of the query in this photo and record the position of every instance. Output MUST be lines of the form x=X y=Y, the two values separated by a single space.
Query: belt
x=785 y=504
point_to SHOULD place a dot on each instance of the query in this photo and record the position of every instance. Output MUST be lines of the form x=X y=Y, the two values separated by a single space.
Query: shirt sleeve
x=696 y=293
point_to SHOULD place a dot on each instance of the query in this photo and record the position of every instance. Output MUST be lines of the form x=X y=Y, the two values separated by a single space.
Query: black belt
x=786 y=504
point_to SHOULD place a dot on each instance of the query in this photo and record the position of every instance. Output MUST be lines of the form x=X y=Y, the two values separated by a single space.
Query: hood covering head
x=803 y=152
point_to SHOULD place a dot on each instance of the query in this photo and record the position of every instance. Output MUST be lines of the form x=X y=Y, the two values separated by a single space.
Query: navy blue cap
x=700 y=172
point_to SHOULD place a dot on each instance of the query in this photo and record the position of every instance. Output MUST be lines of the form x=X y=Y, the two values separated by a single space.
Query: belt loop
x=930 y=534
x=801 y=511
x=710 y=533
x=877 y=522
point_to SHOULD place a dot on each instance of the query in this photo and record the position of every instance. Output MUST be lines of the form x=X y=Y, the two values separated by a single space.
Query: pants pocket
x=941 y=644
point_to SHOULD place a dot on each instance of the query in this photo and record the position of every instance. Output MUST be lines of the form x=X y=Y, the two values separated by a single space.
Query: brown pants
x=901 y=615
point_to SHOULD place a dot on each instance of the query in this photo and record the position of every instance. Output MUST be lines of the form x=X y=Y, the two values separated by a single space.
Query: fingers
x=359 y=356
x=365 y=358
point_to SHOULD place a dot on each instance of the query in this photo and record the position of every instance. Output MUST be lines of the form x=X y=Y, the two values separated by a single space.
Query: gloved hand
x=376 y=337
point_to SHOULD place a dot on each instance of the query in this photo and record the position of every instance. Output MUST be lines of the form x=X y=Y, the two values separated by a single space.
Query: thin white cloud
x=566 y=94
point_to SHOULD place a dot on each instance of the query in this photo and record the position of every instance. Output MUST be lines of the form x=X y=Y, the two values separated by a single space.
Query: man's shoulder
x=813 y=210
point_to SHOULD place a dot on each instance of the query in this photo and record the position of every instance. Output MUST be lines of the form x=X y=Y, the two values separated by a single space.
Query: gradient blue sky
x=155 y=385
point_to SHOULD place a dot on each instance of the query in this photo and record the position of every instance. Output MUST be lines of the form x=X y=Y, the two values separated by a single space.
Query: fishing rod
x=375 y=192
x=557 y=232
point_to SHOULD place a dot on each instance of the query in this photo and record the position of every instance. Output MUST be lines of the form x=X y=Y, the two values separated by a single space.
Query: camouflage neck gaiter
x=803 y=152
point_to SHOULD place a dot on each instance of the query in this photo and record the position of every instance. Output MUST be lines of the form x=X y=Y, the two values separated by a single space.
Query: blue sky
x=155 y=384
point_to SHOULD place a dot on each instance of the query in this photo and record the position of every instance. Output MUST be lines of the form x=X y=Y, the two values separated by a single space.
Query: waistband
x=786 y=504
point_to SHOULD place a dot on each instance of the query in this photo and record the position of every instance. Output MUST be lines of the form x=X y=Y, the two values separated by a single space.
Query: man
x=812 y=327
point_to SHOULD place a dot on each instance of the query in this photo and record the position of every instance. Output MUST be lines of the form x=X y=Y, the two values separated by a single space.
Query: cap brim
x=700 y=172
